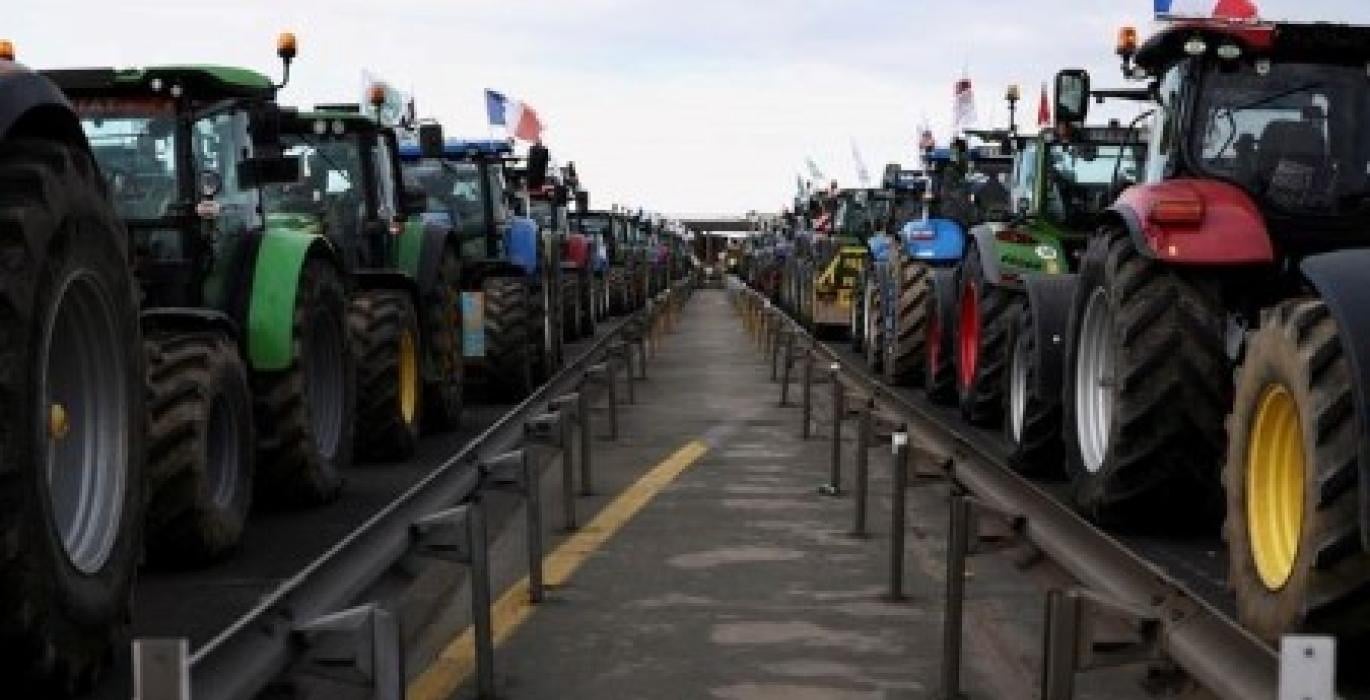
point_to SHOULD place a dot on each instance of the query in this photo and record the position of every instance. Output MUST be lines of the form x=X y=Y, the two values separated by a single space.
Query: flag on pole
x=1044 y=108
x=963 y=105
x=814 y=172
x=1226 y=9
x=863 y=175
x=518 y=118
x=495 y=106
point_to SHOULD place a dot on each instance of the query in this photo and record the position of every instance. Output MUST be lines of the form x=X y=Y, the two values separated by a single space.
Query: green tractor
x=249 y=367
x=405 y=310
x=71 y=380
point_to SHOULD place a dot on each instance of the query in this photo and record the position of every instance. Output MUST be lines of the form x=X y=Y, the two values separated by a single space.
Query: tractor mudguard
x=389 y=279
x=420 y=251
x=1339 y=278
x=1008 y=253
x=34 y=106
x=933 y=240
x=180 y=318
x=1228 y=228
x=521 y=244
x=275 y=279
x=1050 y=298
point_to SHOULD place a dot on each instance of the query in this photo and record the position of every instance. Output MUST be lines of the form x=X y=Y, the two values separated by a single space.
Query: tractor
x=1244 y=247
x=576 y=286
x=405 y=309
x=905 y=189
x=72 y=434
x=250 y=381
x=598 y=229
x=509 y=341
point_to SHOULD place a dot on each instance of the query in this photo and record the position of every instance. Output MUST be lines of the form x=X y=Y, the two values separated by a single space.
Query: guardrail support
x=359 y=642
x=565 y=407
x=458 y=535
x=863 y=445
x=515 y=473
x=785 y=375
x=1069 y=643
x=586 y=443
x=603 y=373
x=839 y=412
x=806 y=392
x=958 y=543
x=899 y=443
x=161 y=669
x=780 y=333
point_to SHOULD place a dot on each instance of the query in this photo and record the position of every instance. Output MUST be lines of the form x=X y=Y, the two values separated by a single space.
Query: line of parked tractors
x=210 y=301
x=1172 y=313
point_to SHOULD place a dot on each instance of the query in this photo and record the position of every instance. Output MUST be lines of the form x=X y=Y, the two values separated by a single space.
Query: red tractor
x=579 y=283
x=1242 y=249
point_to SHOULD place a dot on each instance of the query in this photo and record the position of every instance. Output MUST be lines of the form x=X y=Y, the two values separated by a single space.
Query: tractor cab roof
x=464 y=149
x=199 y=83
x=325 y=120
x=1317 y=42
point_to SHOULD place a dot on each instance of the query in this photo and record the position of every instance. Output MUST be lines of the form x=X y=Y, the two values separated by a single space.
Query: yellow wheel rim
x=409 y=377
x=1275 y=473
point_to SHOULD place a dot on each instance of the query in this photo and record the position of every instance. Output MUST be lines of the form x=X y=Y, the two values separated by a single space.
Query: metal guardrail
x=1171 y=622
x=312 y=609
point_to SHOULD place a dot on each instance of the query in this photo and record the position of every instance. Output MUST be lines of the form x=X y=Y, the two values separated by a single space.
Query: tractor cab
x=186 y=151
x=1266 y=118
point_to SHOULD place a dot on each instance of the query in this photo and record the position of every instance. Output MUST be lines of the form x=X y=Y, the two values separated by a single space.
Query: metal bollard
x=161 y=669
x=863 y=442
x=785 y=375
x=514 y=472
x=1061 y=645
x=900 y=444
x=839 y=410
x=807 y=394
x=458 y=535
x=775 y=352
x=565 y=407
x=613 y=401
x=958 y=546
x=586 y=443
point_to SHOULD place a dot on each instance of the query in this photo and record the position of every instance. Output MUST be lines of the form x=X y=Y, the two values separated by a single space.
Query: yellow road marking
x=457 y=661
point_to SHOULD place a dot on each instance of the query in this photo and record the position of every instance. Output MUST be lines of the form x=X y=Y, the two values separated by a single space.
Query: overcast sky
x=700 y=106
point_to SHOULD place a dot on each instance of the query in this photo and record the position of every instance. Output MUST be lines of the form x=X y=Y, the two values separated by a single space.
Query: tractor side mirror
x=1072 y=96
x=430 y=140
x=268 y=170
x=264 y=127
x=538 y=158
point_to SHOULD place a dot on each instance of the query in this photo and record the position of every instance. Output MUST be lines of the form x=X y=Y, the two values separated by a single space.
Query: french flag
x=1224 y=9
x=518 y=118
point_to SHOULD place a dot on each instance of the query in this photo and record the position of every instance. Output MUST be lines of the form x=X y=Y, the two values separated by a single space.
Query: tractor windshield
x=330 y=185
x=137 y=153
x=1080 y=178
x=453 y=188
x=1291 y=134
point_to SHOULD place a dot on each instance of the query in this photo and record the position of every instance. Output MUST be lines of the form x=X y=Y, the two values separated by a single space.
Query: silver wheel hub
x=1094 y=380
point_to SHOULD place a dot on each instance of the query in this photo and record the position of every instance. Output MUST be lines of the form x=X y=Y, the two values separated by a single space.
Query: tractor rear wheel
x=570 y=307
x=200 y=448
x=1147 y=384
x=506 y=336
x=305 y=413
x=1032 y=413
x=387 y=350
x=939 y=371
x=72 y=427
x=985 y=313
x=1293 y=514
x=442 y=323
x=908 y=337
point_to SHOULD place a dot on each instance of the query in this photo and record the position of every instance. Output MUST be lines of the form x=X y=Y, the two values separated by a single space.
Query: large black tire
x=1170 y=389
x=443 y=351
x=1298 y=356
x=388 y=352
x=506 y=337
x=544 y=358
x=985 y=315
x=906 y=349
x=1034 y=438
x=305 y=412
x=874 y=330
x=939 y=371
x=63 y=251
x=201 y=444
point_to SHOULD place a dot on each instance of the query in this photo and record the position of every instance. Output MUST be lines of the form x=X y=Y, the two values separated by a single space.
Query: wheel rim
x=1094 y=381
x=1275 y=473
x=324 y=378
x=84 y=401
x=409 y=377
x=968 y=337
x=1017 y=387
x=224 y=455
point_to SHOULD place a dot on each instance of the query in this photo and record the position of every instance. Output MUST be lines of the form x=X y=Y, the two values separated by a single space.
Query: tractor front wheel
x=909 y=319
x=985 y=313
x=939 y=370
x=442 y=322
x=506 y=336
x=387 y=349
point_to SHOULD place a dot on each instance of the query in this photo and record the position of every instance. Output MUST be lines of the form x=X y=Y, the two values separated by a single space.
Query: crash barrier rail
x=1168 y=625
x=312 y=624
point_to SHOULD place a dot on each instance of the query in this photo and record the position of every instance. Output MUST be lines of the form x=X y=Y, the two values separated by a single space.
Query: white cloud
x=709 y=105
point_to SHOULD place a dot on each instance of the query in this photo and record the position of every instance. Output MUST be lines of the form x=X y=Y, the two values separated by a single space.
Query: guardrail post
x=514 y=472
x=458 y=535
x=586 y=442
x=775 y=351
x=839 y=411
x=161 y=669
x=363 y=640
x=1061 y=640
x=899 y=443
x=863 y=444
x=602 y=373
x=565 y=407
x=785 y=375
x=807 y=393
x=958 y=544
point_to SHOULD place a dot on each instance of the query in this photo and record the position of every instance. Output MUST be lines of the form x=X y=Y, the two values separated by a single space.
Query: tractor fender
x=521 y=244
x=933 y=240
x=1229 y=231
x=420 y=251
x=1339 y=278
x=35 y=106
x=275 y=279
x=1050 y=297
x=183 y=318
x=987 y=248
x=575 y=251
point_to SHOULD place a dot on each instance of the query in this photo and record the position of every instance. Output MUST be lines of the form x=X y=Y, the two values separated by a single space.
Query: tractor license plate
x=473 y=324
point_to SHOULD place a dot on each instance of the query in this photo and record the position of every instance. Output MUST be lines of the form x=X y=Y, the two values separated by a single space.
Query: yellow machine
x=835 y=288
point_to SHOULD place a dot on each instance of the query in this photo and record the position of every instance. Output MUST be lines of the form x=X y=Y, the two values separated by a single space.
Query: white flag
x=963 y=105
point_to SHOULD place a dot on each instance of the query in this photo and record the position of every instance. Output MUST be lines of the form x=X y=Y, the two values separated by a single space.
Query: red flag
x=1044 y=108
x=1236 y=9
x=528 y=127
